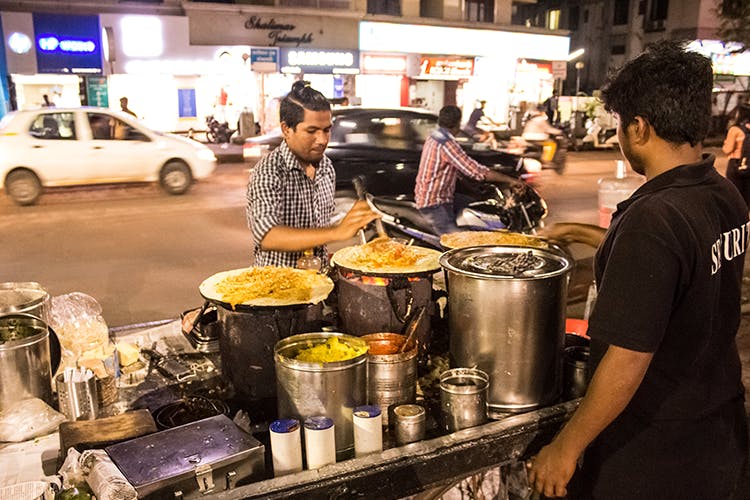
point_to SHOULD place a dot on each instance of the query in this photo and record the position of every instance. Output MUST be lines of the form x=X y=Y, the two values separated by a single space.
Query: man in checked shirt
x=441 y=162
x=291 y=190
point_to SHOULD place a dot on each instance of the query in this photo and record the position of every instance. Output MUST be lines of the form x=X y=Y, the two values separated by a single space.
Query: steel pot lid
x=505 y=262
x=18 y=297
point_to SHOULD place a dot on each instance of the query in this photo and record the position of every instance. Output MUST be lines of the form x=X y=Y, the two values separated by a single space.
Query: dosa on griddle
x=267 y=286
x=386 y=256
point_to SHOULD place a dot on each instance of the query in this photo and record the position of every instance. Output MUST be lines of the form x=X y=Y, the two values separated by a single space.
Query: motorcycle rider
x=441 y=161
x=538 y=130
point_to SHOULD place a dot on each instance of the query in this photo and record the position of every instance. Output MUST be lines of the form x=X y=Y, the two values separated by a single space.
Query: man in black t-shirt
x=663 y=416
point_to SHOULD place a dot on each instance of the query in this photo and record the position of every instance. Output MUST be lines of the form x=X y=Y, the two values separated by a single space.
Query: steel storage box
x=210 y=455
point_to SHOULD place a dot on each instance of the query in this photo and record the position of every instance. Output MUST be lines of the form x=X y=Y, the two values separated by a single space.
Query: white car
x=73 y=146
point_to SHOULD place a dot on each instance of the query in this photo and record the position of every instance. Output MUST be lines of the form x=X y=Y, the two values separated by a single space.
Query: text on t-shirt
x=729 y=245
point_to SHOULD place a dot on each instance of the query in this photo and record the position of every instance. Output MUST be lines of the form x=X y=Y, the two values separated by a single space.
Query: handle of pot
x=395 y=284
x=198 y=317
x=55 y=350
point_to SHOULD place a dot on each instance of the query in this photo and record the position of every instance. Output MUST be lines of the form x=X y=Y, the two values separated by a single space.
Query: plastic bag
x=28 y=419
x=83 y=333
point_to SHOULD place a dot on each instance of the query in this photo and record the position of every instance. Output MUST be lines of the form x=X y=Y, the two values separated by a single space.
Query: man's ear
x=285 y=129
x=641 y=130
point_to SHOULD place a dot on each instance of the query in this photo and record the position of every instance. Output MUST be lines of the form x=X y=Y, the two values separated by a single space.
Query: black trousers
x=702 y=458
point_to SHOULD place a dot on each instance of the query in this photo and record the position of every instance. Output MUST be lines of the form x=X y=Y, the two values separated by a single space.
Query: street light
x=575 y=54
x=574 y=120
x=579 y=67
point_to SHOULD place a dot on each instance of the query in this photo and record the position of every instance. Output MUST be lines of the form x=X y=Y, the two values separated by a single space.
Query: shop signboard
x=97 y=91
x=186 y=103
x=319 y=61
x=384 y=64
x=264 y=60
x=67 y=44
x=560 y=69
x=449 y=67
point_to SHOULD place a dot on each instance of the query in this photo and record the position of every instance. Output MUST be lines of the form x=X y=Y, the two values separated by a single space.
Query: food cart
x=180 y=367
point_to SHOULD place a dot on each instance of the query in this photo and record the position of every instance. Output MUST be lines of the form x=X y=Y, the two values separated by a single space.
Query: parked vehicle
x=599 y=136
x=218 y=132
x=385 y=144
x=73 y=146
x=483 y=207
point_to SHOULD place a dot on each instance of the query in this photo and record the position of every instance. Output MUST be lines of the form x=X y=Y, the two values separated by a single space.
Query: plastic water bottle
x=613 y=190
x=309 y=261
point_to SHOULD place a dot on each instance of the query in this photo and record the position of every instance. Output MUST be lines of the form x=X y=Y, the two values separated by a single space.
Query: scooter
x=216 y=131
x=495 y=206
x=600 y=137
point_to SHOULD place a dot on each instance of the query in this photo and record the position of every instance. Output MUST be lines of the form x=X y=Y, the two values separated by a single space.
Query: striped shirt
x=441 y=162
x=280 y=194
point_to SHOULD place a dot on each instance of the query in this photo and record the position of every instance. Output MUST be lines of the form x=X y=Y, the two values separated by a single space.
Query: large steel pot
x=331 y=389
x=24 y=298
x=507 y=318
x=25 y=366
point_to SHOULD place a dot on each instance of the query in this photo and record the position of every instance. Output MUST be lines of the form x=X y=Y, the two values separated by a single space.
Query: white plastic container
x=320 y=442
x=368 y=430
x=286 y=446
x=613 y=190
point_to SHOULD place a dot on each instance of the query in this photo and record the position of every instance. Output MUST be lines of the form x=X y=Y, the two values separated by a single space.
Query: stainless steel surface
x=511 y=327
x=574 y=370
x=190 y=458
x=409 y=423
x=306 y=389
x=391 y=378
x=463 y=398
x=77 y=400
x=25 y=370
x=26 y=298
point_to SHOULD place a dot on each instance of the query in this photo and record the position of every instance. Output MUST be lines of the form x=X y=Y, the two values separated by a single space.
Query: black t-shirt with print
x=669 y=276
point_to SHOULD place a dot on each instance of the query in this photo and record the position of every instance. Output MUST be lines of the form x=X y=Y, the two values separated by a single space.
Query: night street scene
x=381 y=249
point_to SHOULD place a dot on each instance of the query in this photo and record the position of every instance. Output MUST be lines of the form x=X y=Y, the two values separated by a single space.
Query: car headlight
x=206 y=155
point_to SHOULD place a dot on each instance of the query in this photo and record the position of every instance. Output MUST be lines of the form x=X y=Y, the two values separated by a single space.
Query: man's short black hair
x=449 y=117
x=667 y=86
x=301 y=97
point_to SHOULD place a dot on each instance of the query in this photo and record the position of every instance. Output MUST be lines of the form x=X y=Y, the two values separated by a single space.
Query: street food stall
x=396 y=371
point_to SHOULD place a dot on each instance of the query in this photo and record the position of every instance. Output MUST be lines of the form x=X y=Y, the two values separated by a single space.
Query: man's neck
x=667 y=157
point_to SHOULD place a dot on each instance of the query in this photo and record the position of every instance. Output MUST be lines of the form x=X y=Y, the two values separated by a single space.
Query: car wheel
x=175 y=177
x=23 y=186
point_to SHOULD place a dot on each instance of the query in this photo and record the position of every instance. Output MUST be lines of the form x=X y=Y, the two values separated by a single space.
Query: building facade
x=179 y=61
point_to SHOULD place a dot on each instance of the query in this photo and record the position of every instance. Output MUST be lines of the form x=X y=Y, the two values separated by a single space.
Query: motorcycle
x=217 y=132
x=600 y=137
x=495 y=206
x=541 y=155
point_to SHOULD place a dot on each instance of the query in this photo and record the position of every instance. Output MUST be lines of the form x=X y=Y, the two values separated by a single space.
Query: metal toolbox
x=191 y=460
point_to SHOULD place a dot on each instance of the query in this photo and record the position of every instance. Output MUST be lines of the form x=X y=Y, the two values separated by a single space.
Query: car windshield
x=400 y=131
x=6 y=120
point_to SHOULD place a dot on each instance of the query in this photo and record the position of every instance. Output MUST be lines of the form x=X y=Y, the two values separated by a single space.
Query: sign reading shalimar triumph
x=269 y=29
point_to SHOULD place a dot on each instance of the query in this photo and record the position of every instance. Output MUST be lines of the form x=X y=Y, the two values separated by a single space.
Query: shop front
x=320 y=49
x=50 y=55
x=173 y=85
x=462 y=66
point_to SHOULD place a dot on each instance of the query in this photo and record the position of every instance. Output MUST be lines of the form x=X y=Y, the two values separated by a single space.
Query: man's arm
x=471 y=168
x=294 y=239
x=731 y=141
x=574 y=232
x=612 y=387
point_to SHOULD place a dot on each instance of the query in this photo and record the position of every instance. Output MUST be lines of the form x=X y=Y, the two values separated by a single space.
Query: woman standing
x=737 y=171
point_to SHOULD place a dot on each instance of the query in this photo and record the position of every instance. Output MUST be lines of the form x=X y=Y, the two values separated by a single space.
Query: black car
x=384 y=146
